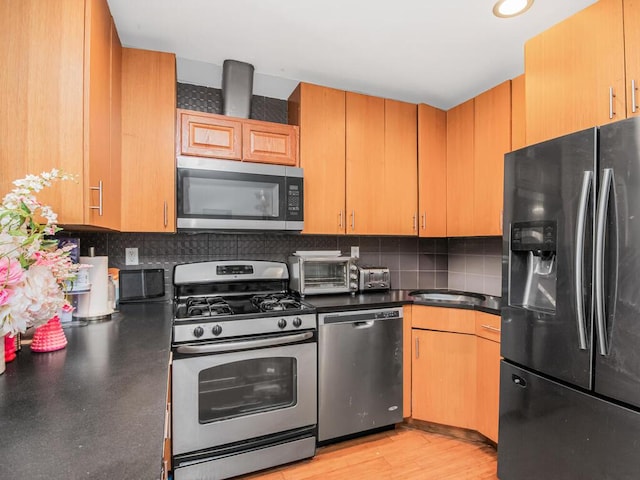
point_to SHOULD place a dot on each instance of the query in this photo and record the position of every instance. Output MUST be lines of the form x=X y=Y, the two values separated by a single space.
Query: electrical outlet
x=131 y=256
x=355 y=251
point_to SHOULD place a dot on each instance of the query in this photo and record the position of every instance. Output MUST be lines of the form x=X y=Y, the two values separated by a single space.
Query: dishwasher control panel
x=359 y=315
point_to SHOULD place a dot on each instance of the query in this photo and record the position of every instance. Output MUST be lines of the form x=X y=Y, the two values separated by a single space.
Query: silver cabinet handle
x=340 y=221
x=491 y=328
x=501 y=221
x=603 y=202
x=99 y=206
x=424 y=220
x=353 y=219
x=579 y=258
x=415 y=222
x=166 y=214
x=244 y=344
x=417 y=347
x=611 y=97
x=634 y=107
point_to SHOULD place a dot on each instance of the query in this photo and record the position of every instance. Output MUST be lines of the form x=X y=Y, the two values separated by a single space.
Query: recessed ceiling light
x=511 y=8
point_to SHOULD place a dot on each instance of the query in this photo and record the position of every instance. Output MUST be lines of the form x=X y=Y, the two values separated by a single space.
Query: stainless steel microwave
x=234 y=195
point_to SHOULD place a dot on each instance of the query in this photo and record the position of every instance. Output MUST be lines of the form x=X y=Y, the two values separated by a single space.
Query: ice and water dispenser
x=533 y=272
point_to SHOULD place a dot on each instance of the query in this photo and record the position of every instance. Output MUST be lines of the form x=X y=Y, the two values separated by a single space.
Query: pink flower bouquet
x=34 y=272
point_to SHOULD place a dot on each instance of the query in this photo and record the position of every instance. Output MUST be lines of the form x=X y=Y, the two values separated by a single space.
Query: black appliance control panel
x=534 y=236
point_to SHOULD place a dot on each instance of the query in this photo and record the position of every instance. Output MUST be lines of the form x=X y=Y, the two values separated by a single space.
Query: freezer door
x=547 y=326
x=550 y=431
x=617 y=360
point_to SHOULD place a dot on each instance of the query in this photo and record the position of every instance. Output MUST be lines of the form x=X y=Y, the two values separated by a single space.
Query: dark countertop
x=94 y=409
x=391 y=298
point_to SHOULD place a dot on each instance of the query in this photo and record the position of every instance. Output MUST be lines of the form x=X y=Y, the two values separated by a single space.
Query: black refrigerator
x=570 y=374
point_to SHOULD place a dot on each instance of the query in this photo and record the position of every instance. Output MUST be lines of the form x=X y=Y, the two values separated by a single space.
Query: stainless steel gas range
x=244 y=385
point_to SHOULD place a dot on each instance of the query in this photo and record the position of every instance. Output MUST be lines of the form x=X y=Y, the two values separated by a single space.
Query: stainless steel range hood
x=237 y=87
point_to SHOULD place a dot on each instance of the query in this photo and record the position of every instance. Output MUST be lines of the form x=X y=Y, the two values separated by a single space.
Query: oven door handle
x=244 y=344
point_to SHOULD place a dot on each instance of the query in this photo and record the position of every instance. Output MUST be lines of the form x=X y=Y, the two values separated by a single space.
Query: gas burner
x=275 y=302
x=207 y=307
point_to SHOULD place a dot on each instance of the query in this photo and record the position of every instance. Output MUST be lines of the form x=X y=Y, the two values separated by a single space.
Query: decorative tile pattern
x=208 y=99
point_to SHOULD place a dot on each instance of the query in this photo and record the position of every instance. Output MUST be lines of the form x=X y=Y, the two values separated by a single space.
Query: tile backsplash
x=413 y=262
x=475 y=264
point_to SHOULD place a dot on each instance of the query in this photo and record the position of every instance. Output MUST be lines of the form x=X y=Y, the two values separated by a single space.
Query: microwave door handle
x=244 y=344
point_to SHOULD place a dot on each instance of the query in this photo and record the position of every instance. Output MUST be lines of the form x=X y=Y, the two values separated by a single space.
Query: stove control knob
x=198 y=332
x=216 y=330
x=282 y=323
x=297 y=322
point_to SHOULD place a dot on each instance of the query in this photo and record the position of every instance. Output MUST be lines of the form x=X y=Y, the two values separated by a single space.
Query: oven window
x=246 y=387
x=230 y=198
x=325 y=274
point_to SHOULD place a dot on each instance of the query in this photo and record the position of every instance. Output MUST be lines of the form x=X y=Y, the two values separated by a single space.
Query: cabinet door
x=400 y=175
x=265 y=142
x=208 y=135
x=444 y=378
x=115 y=174
x=42 y=109
x=488 y=387
x=320 y=113
x=148 y=128
x=432 y=171
x=632 y=55
x=460 y=166
x=101 y=209
x=491 y=140
x=365 y=157
x=572 y=68
x=518 y=113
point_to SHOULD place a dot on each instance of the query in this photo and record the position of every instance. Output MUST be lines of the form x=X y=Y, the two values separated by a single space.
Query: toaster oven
x=314 y=273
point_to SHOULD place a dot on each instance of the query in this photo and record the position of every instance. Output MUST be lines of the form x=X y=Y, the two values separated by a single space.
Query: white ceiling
x=421 y=51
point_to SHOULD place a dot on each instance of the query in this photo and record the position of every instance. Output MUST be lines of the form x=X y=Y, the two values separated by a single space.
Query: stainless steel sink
x=448 y=297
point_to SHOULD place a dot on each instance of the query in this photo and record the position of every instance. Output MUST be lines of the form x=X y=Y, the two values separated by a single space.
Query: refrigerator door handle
x=603 y=203
x=587 y=178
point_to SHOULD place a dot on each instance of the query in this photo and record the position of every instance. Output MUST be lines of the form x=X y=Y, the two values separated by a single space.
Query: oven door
x=224 y=194
x=230 y=397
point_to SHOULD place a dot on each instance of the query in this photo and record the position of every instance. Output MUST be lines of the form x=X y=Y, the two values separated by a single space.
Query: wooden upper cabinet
x=432 y=171
x=208 y=135
x=365 y=162
x=400 y=174
x=320 y=114
x=518 y=114
x=57 y=111
x=460 y=170
x=204 y=134
x=264 y=142
x=491 y=140
x=632 y=55
x=148 y=128
x=575 y=73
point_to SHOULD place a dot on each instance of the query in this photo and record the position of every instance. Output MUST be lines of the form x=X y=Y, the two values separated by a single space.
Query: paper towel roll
x=95 y=304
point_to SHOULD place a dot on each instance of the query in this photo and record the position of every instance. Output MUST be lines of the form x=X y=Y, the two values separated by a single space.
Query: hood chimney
x=237 y=87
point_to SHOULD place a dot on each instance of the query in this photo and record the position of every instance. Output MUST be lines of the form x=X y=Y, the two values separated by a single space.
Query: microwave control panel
x=294 y=198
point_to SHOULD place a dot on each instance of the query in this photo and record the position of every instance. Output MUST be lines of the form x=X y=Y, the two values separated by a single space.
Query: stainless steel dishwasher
x=359 y=371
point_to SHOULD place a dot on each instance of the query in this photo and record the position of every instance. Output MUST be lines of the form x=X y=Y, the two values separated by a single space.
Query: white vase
x=2 y=366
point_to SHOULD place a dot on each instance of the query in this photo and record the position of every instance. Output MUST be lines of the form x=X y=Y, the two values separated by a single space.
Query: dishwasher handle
x=367 y=324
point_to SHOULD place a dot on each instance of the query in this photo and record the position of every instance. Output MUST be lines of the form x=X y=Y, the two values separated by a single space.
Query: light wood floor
x=403 y=454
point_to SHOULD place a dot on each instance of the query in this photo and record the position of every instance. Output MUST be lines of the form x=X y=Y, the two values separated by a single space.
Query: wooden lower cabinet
x=455 y=368
x=444 y=378
x=487 y=387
